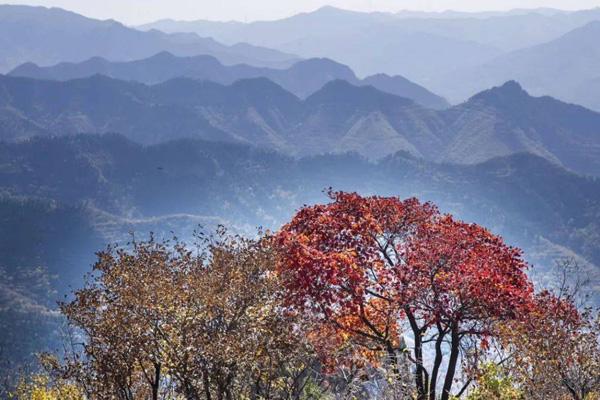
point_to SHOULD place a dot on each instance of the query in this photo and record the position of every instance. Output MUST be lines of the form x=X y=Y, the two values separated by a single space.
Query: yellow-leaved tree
x=41 y=387
x=161 y=320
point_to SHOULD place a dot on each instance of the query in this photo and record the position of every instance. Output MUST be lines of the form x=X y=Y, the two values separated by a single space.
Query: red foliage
x=459 y=273
x=364 y=264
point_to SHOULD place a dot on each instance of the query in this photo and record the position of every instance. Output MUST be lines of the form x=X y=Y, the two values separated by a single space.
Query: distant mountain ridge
x=414 y=45
x=561 y=68
x=302 y=78
x=338 y=118
x=50 y=35
x=502 y=28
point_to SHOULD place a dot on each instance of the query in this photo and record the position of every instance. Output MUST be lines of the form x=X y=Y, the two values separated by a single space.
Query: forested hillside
x=338 y=118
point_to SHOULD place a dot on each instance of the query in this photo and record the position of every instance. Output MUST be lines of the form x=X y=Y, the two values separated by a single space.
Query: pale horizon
x=128 y=11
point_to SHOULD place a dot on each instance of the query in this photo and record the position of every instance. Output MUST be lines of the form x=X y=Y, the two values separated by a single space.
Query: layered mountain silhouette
x=419 y=46
x=302 y=79
x=563 y=68
x=48 y=36
x=368 y=43
x=505 y=30
x=338 y=118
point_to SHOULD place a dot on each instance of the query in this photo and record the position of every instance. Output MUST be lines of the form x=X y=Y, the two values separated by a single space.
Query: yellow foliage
x=493 y=384
x=38 y=387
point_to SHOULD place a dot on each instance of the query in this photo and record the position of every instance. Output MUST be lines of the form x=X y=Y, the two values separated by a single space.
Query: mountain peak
x=380 y=75
x=330 y=12
x=341 y=86
x=511 y=88
x=327 y=9
x=511 y=85
x=400 y=86
x=318 y=61
x=25 y=70
x=163 y=55
x=319 y=66
x=508 y=91
x=342 y=92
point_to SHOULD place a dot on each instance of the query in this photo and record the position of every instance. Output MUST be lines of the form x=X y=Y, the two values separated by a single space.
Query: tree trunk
x=156 y=383
x=191 y=392
x=206 y=382
x=572 y=391
x=418 y=352
x=439 y=356
x=454 y=353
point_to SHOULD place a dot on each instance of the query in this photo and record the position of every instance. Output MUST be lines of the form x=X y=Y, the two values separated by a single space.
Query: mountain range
x=302 y=78
x=457 y=55
x=402 y=43
x=338 y=118
x=63 y=198
x=48 y=36
x=477 y=51
x=506 y=30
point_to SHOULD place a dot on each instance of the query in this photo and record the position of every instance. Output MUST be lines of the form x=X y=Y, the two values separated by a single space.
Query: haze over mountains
x=48 y=36
x=563 y=68
x=505 y=31
x=456 y=55
x=247 y=186
x=64 y=198
x=302 y=79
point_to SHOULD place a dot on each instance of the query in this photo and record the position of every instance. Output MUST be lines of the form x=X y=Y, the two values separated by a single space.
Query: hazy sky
x=140 y=11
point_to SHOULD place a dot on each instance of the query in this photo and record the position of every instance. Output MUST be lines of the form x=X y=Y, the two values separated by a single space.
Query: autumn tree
x=119 y=314
x=555 y=352
x=366 y=267
x=162 y=320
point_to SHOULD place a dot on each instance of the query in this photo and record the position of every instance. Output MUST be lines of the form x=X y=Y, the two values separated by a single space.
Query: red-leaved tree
x=367 y=266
